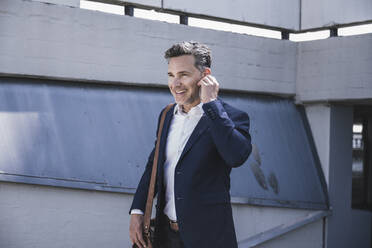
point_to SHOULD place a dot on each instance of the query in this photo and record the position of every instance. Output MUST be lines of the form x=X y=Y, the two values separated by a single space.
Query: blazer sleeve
x=230 y=132
x=140 y=197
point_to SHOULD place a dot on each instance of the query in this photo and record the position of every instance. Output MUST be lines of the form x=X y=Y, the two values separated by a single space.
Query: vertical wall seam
x=297 y=77
x=300 y=16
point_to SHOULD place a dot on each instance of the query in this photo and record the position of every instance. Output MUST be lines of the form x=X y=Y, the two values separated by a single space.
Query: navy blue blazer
x=219 y=142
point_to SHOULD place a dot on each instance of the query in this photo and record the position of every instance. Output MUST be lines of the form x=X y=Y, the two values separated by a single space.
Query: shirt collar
x=196 y=110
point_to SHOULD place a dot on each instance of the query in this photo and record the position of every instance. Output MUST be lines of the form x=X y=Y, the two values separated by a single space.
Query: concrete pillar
x=331 y=127
x=338 y=228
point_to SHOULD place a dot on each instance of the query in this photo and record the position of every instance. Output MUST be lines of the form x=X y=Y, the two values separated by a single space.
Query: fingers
x=206 y=80
x=137 y=238
x=209 y=80
x=209 y=89
x=140 y=239
x=133 y=237
x=135 y=231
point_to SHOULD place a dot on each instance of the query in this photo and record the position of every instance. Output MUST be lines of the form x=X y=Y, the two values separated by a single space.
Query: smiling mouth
x=180 y=91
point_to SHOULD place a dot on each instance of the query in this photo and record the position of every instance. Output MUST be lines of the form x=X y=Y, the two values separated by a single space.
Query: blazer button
x=179 y=198
x=178 y=173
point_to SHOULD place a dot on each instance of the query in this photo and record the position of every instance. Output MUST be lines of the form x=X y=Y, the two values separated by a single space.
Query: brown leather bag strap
x=150 y=195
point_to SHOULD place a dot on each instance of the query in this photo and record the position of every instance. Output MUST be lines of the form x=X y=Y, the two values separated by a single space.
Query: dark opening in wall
x=362 y=159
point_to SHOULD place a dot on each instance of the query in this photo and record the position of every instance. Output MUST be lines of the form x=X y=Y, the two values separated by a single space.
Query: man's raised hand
x=209 y=87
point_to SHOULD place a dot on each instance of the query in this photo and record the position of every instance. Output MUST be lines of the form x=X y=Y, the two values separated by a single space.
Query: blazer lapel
x=198 y=131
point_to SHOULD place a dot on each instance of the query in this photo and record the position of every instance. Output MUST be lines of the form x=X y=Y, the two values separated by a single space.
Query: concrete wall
x=70 y=43
x=283 y=14
x=252 y=220
x=148 y=3
x=335 y=69
x=71 y=3
x=40 y=216
x=309 y=236
x=279 y=14
x=289 y=14
x=320 y=13
x=319 y=116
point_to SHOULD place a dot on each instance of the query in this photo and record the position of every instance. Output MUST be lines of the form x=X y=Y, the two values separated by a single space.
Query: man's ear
x=207 y=71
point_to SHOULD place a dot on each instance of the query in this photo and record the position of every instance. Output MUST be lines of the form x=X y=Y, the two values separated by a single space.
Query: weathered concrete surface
x=71 y=3
x=283 y=14
x=54 y=41
x=319 y=116
x=309 y=236
x=320 y=13
x=252 y=220
x=148 y=3
x=335 y=69
x=41 y=217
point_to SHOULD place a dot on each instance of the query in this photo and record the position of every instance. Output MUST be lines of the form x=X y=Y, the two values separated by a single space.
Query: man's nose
x=176 y=82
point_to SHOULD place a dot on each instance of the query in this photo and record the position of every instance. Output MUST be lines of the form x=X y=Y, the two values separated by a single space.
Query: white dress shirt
x=180 y=130
x=181 y=127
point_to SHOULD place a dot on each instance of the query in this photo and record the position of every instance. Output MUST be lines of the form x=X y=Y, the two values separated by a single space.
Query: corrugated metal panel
x=98 y=137
x=284 y=169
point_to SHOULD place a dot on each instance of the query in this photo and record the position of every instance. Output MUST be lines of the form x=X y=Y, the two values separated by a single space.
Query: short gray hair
x=201 y=53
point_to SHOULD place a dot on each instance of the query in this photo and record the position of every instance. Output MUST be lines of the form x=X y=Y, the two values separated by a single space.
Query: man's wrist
x=136 y=211
x=210 y=100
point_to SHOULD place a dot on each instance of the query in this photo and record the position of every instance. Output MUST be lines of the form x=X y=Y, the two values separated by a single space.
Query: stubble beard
x=194 y=97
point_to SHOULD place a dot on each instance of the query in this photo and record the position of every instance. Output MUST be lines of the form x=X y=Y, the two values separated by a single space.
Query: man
x=202 y=139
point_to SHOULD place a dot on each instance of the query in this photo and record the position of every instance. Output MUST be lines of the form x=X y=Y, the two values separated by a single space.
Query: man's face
x=183 y=77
